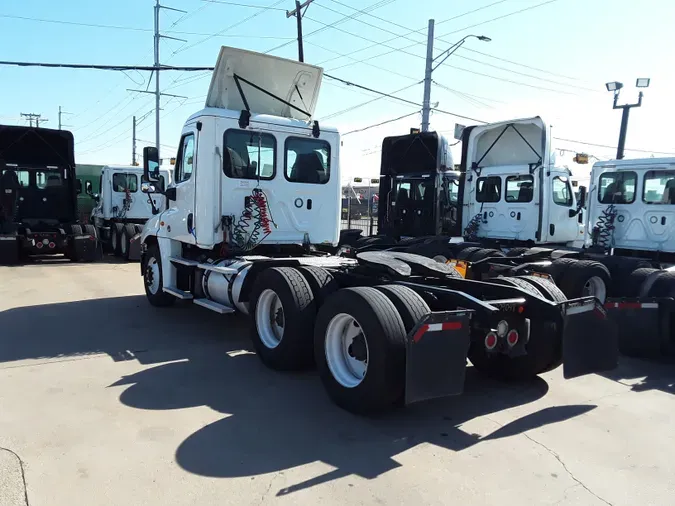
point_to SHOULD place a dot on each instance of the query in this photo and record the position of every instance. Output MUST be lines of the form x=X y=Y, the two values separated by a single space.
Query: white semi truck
x=122 y=209
x=256 y=189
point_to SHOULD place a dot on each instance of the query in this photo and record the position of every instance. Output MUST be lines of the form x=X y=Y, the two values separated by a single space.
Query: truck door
x=561 y=227
x=179 y=218
x=617 y=189
x=124 y=194
x=519 y=212
x=658 y=208
x=488 y=194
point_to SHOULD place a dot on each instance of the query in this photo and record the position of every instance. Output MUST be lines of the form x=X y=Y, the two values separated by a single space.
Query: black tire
x=620 y=269
x=159 y=298
x=634 y=282
x=409 y=304
x=664 y=286
x=516 y=252
x=90 y=229
x=579 y=273
x=76 y=229
x=466 y=253
x=128 y=232
x=486 y=253
x=383 y=385
x=558 y=268
x=518 y=283
x=116 y=238
x=551 y=292
x=294 y=350
x=320 y=281
x=646 y=286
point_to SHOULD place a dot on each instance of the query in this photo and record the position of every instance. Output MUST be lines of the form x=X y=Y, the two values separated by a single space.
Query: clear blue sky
x=569 y=47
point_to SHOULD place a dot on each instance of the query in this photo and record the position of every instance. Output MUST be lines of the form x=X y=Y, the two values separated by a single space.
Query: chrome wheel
x=346 y=350
x=152 y=275
x=595 y=287
x=269 y=318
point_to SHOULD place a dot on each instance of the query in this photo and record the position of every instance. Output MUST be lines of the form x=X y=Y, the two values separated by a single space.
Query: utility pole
x=31 y=116
x=298 y=15
x=426 y=103
x=133 y=143
x=60 y=113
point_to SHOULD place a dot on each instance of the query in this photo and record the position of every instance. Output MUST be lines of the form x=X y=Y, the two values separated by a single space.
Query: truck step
x=184 y=261
x=178 y=293
x=215 y=268
x=213 y=306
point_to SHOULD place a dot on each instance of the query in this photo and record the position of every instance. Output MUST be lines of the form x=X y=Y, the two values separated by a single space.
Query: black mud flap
x=135 y=248
x=86 y=248
x=643 y=324
x=590 y=338
x=9 y=249
x=436 y=352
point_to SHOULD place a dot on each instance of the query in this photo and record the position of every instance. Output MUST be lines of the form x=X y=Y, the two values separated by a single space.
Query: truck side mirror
x=78 y=186
x=582 y=197
x=150 y=164
x=88 y=189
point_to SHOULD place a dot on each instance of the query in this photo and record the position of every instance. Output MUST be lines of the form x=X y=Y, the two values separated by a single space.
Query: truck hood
x=36 y=147
x=515 y=142
x=268 y=83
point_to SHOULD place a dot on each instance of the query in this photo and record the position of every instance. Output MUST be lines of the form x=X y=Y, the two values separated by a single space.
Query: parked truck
x=256 y=188
x=38 y=197
x=122 y=209
x=512 y=207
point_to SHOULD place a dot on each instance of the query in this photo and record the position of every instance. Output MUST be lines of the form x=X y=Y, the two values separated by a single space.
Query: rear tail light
x=512 y=337
x=490 y=340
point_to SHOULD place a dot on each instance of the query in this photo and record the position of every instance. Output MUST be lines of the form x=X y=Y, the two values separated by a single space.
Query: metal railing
x=359 y=215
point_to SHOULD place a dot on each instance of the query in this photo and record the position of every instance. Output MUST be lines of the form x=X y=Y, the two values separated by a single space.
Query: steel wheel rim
x=341 y=333
x=152 y=275
x=595 y=287
x=270 y=319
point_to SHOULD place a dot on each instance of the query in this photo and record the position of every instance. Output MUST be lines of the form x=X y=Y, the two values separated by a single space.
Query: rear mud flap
x=86 y=248
x=643 y=324
x=135 y=248
x=590 y=338
x=9 y=249
x=436 y=352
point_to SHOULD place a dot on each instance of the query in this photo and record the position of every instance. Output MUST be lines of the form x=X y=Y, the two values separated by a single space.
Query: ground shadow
x=645 y=374
x=123 y=327
x=278 y=421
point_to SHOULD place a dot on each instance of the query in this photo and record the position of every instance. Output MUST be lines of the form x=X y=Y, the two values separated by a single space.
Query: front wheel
x=153 y=281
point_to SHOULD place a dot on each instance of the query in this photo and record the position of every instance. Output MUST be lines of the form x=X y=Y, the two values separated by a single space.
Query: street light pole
x=616 y=88
x=430 y=67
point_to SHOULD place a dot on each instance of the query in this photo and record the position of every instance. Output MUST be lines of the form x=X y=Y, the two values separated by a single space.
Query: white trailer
x=256 y=189
x=122 y=209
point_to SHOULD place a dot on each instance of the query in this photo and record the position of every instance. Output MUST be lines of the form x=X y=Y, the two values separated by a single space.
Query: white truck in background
x=121 y=208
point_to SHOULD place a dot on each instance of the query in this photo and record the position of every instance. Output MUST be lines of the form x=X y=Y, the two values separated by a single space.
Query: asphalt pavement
x=105 y=400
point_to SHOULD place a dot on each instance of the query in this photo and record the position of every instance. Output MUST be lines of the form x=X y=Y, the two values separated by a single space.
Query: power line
x=133 y=28
x=119 y=68
x=352 y=108
x=237 y=4
x=614 y=147
x=380 y=124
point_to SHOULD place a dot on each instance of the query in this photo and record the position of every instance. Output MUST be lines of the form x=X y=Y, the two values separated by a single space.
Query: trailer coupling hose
x=604 y=230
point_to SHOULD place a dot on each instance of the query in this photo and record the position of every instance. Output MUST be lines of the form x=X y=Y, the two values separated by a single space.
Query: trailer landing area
x=106 y=400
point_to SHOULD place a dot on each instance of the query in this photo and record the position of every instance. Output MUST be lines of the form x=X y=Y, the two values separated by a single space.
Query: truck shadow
x=643 y=375
x=125 y=328
x=279 y=421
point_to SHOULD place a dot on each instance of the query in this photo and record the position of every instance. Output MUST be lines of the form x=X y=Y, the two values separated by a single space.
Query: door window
x=519 y=188
x=617 y=187
x=659 y=187
x=122 y=182
x=185 y=159
x=47 y=179
x=489 y=189
x=562 y=191
x=307 y=161
x=249 y=155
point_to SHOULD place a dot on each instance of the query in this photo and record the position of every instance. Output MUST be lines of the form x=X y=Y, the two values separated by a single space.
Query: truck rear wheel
x=153 y=279
x=359 y=348
x=544 y=348
x=320 y=281
x=283 y=313
x=128 y=231
x=586 y=278
x=409 y=304
x=116 y=238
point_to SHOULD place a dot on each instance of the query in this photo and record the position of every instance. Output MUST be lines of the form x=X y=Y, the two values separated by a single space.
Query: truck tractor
x=38 y=197
x=256 y=191
x=122 y=209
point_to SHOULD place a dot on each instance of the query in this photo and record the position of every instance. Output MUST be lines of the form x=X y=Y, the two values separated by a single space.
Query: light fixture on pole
x=615 y=87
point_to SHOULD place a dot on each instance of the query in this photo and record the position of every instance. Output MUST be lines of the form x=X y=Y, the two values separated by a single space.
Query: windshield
x=413 y=190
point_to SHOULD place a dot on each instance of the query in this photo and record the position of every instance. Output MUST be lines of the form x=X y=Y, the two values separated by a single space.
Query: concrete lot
x=105 y=400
